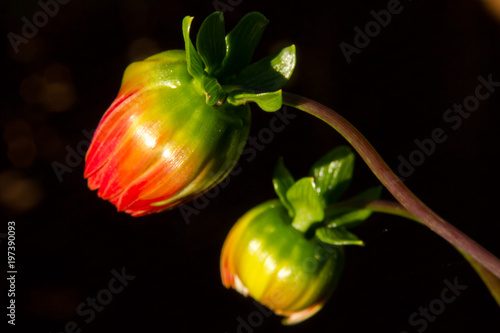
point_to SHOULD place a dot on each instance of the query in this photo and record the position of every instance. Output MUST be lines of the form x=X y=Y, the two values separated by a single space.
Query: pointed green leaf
x=214 y=91
x=306 y=204
x=211 y=43
x=241 y=43
x=332 y=173
x=338 y=236
x=269 y=73
x=267 y=101
x=352 y=218
x=194 y=63
x=282 y=181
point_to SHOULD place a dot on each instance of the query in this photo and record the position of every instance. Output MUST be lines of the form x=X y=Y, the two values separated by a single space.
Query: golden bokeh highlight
x=17 y=192
x=21 y=148
x=494 y=7
x=58 y=96
x=54 y=90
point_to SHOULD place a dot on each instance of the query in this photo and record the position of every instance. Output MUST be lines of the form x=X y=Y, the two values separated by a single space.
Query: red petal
x=108 y=134
x=157 y=176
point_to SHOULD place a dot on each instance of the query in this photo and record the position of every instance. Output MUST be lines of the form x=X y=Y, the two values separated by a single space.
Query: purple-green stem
x=394 y=208
x=391 y=181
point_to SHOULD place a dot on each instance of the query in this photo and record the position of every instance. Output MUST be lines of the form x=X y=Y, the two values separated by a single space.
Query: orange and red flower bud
x=159 y=143
x=181 y=118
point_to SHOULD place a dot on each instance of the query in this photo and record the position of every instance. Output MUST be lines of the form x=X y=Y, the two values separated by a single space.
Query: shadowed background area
x=395 y=86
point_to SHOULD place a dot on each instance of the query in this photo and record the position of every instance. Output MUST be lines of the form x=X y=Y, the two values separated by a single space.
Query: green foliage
x=267 y=101
x=222 y=64
x=337 y=236
x=282 y=181
x=211 y=42
x=305 y=202
x=333 y=172
x=310 y=201
x=348 y=218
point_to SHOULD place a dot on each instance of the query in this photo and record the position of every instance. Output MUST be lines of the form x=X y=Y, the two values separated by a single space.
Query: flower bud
x=160 y=143
x=266 y=258
x=181 y=118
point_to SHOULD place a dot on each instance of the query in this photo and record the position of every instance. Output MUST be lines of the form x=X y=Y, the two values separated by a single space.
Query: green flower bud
x=266 y=258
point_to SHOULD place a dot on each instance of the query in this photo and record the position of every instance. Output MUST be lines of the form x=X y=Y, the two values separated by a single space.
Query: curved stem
x=389 y=179
x=394 y=208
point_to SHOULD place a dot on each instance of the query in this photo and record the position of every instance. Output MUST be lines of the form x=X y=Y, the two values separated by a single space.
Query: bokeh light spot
x=17 y=192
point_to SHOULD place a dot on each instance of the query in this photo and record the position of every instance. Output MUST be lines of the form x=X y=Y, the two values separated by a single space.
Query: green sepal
x=332 y=173
x=282 y=181
x=215 y=93
x=306 y=204
x=343 y=218
x=211 y=43
x=267 y=101
x=269 y=73
x=194 y=62
x=241 y=43
x=337 y=236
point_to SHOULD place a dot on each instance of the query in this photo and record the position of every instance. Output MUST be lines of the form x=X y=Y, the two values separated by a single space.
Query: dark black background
x=395 y=91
